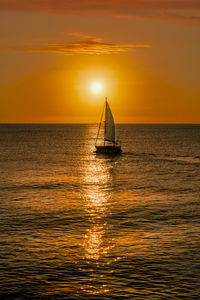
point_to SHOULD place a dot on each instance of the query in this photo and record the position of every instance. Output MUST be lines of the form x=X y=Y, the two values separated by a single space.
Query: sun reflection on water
x=97 y=184
x=96 y=194
x=93 y=242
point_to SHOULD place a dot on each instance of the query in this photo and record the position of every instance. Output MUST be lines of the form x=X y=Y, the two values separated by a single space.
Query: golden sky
x=145 y=53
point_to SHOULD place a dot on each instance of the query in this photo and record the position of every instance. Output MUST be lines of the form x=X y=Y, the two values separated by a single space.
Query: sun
x=96 y=87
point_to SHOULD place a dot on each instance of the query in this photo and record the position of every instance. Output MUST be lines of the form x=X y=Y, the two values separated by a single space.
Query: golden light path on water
x=97 y=181
x=97 y=206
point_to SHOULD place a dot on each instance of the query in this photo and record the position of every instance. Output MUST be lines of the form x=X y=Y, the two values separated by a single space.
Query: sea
x=79 y=225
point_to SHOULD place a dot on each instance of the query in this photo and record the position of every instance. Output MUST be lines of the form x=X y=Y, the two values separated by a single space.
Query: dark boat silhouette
x=109 y=144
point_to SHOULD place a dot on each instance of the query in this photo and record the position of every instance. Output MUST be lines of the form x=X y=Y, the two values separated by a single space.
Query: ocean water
x=76 y=225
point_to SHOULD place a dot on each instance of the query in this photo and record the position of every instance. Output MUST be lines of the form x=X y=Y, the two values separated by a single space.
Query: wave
x=181 y=159
x=138 y=154
x=44 y=186
x=166 y=157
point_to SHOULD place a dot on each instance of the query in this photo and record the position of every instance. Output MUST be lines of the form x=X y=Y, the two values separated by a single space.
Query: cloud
x=87 y=5
x=90 y=46
x=187 y=18
x=162 y=9
x=79 y=35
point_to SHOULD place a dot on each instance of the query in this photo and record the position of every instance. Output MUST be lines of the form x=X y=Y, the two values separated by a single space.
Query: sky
x=145 y=54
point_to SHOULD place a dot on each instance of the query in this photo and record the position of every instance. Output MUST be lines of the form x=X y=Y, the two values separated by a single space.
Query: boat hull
x=108 y=149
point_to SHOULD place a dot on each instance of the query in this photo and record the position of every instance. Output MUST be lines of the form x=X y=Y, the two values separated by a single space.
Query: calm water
x=76 y=225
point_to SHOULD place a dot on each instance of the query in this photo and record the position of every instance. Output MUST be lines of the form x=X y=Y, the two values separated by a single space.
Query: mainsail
x=109 y=134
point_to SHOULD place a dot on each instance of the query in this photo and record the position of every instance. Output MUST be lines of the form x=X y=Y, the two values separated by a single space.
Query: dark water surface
x=76 y=225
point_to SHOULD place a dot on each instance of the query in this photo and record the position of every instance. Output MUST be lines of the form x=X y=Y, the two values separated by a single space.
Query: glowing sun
x=96 y=87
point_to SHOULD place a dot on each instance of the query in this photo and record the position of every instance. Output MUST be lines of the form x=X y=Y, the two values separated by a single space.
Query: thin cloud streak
x=162 y=9
x=89 y=47
x=77 y=5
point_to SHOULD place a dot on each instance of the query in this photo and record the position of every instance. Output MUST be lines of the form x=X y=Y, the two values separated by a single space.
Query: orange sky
x=145 y=54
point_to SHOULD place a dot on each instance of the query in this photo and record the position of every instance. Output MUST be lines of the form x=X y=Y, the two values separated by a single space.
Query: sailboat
x=108 y=144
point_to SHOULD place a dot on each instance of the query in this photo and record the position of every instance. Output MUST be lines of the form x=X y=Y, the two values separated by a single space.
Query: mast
x=105 y=120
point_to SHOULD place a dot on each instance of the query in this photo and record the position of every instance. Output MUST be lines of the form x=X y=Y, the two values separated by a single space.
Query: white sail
x=109 y=125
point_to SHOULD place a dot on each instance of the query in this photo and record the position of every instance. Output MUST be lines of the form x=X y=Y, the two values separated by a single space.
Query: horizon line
x=93 y=123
